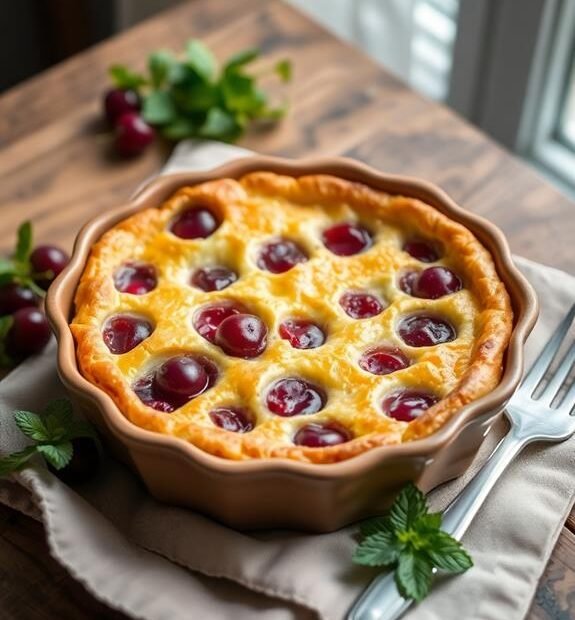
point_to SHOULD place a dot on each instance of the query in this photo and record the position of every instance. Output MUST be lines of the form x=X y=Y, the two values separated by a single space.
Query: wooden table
x=56 y=169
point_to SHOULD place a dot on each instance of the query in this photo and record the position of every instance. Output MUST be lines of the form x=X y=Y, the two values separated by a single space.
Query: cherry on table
x=132 y=134
x=135 y=278
x=406 y=405
x=195 y=223
x=124 y=332
x=14 y=296
x=301 y=334
x=242 y=335
x=420 y=330
x=207 y=320
x=383 y=360
x=321 y=435
x=28 y=334
x=294 y=396
x=215 y=278
x=232 y=419
x=421 y=250
x=346 y=239
x=47 y=262
x=280 y=255
x=118 y=101
x=360 y=305
x=83 y=466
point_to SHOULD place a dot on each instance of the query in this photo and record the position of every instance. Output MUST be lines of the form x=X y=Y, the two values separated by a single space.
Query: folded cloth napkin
x=155 y=561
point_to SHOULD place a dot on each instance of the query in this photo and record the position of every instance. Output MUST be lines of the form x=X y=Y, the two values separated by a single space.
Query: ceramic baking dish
x=276 y=492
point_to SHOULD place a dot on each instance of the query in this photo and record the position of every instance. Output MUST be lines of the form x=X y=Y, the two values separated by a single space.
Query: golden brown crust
x=263 y=205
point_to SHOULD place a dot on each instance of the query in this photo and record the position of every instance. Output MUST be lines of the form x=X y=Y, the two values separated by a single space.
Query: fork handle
x=381 y=600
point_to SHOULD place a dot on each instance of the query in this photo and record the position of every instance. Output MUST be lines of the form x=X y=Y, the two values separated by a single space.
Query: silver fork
x=532 y=419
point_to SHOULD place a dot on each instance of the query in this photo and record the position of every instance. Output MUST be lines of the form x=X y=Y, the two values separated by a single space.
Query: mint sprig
x=52 y=433
x=409 y=540
x=18 y=268
x=189 y=96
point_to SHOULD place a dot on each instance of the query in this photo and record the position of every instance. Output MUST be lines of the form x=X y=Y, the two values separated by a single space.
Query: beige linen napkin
x=160 y=562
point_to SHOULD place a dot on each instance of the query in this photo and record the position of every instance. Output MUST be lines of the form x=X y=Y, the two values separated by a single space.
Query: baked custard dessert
x=307 y=318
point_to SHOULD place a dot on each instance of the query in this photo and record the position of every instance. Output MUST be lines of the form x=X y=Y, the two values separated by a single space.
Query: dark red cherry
x=132 y=134
x=302 y=334
x=407 y=281
x=207 y=319
x=135 y=278
x=346 y=239
x=321 y=435
x=420 y=330
x=14 y=296
x=47 y=262
x=435 y=282
x=279 y=256
x=28 y=334
x=293 y=396
x=242 y=335
x=118 y=101
x=406 y=405
x=123 y=332
x=232 y=419
x=181 y=376
x=421 y=250
x=383 y=360
x=213 y=278
x=360 y=305
x=195 y=223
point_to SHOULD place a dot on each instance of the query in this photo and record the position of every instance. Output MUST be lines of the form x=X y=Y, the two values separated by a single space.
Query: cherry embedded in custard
x=135 y=278
x=407 y=281
x=214 y=278
x=383 y=360
x=181 y=376
x=195 y=223
x=293 y=396
x=124 y=332
x=421 y=330
x=347 y=239
x=406 y=405
x=281 y=255
x=435 y=282
x=321 y=435
x=360 y=305
x=232 y=419
x=242 y=335
x=208 y=319
x=301 y=334
x=421 y=250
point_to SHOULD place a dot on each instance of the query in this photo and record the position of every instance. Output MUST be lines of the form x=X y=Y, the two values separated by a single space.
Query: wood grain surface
x=57 y=168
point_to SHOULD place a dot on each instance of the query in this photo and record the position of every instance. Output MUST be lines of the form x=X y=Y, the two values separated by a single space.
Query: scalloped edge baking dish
x=279 y=492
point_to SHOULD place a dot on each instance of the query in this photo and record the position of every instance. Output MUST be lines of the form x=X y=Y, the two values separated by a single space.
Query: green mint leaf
x=241 y=95
x=6 y=266
x=124 y=78
x=201 y=59
x=194 y=95
x=158 y=108
x=374 y=525
x=6 y=278
x=447 y=554
x=24 y=243
x=409 y=506
x=162 y=66
x=239 y=60
x=220 y=125
x=32 y=425
x=180 y=129
x=16 y=461
x=429 y=522
x=413 y=576
x=58 y=455
x=379 y=549
x=284 y=70
x=58 y=419
x=272 y=114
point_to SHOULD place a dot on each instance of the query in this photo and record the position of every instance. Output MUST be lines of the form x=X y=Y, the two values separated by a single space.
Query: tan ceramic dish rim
x=525 y=309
